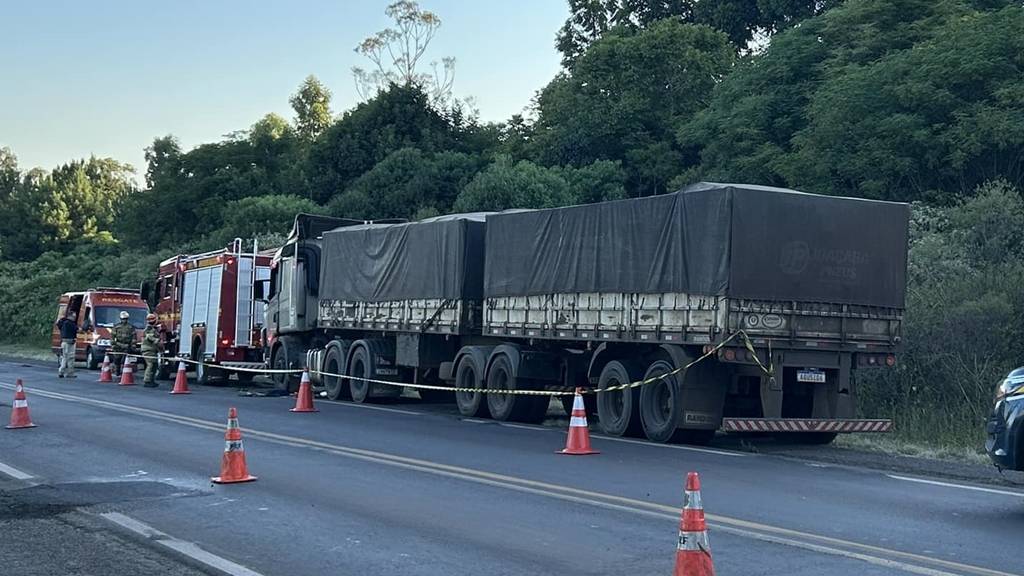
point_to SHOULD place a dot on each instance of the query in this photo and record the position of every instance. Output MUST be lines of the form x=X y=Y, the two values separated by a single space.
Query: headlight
x=103 y=342
x=1010 y=387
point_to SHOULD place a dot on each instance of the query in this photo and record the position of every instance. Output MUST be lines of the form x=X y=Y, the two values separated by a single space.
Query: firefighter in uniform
x=150 y=346
x=122 y=341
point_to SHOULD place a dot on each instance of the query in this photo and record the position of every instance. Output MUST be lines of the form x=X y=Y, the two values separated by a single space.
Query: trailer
x=208 y=307
x=787 y=294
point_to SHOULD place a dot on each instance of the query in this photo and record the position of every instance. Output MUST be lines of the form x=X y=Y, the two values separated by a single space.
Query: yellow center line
x=896 y=559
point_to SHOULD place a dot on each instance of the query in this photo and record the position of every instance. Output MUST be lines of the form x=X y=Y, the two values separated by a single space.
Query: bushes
x=962 y=328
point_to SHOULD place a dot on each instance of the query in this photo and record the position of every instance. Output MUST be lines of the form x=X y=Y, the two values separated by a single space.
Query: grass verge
x=27 y=351
x=894 y=444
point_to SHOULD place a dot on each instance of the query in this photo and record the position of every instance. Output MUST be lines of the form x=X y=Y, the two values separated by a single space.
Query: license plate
x=812 y=376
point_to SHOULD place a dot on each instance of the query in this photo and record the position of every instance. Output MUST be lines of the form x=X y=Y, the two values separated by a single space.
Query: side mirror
x=146 y=292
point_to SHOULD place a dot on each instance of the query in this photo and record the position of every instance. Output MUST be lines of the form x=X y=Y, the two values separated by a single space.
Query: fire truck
x=208 y=307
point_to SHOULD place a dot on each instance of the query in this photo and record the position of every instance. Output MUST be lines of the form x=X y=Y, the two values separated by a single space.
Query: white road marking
x=908 y=561
x=672 y=446
x=14 y=472
x=189 y=549
x=476 y=421
x=370 y=407
x=960 y=486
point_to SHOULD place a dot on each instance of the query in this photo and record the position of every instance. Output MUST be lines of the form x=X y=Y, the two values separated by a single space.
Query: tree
x=312 y=105
x=625 y=96
x=506 y=184
x=261 y=216
x=407 y=183
x=741 y=20
x=400 y=117
x=893 y=100
x=396 y=54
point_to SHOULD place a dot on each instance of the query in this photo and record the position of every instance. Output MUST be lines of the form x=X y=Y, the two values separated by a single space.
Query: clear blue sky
x=105 y=77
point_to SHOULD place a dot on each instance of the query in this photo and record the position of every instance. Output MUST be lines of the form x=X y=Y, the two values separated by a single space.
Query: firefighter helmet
x=123 y=315
x=151 y=318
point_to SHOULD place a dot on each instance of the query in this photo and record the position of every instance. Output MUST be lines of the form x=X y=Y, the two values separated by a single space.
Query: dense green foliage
x=904 y=100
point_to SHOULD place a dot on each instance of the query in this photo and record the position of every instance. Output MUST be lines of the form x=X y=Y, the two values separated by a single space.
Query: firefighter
x=122 y=341
x=68 y=327
x=150 y=346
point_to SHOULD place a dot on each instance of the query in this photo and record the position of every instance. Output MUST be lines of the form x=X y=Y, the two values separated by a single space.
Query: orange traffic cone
x=19 y=412
x=181 y=381
x=232 y=465
x=578 y=442
x=304 y=399
x=127 y=372
x=693 y=553
x=105 y=370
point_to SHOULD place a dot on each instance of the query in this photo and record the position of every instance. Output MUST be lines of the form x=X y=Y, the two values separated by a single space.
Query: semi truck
x=785 y=295
x=206 y=304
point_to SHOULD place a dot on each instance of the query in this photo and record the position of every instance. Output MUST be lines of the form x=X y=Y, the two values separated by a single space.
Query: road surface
x=403 y=489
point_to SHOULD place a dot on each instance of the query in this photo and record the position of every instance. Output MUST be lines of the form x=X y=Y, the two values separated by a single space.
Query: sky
x=106 y=77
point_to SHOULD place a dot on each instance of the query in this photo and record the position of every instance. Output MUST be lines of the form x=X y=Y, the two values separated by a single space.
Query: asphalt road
x=404 y=489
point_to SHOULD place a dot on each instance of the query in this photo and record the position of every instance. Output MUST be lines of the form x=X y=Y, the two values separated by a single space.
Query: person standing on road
x=122 y=341
x=68 y=327
x=150 y=346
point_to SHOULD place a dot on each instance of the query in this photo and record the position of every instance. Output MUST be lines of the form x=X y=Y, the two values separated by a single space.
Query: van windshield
x=108 y=316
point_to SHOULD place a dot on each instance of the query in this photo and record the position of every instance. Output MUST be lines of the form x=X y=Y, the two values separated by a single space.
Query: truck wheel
x=91 y=362
x=280 y=361
x=469 y=375
x=335 y=385
x=659 y=404
x=359 y=366
x=508 y=406
x=619 y=412
x=163 y=370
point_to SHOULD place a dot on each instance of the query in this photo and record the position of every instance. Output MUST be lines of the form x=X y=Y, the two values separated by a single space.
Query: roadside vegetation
x=905 y=100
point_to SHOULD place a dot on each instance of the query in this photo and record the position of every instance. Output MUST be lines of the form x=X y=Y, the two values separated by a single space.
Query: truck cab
x=98 y=310
x=291 y=311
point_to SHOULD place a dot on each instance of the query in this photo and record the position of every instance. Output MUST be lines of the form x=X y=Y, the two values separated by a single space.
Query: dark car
x=1005 y=444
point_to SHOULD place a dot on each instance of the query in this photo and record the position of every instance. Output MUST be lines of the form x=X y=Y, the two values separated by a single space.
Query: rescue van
x=98 y=310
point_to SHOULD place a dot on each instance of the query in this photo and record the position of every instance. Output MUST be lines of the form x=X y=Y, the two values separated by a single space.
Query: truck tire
x=504 y=407
x=91 y=362
x=469 y=375
x=285 y=357
x=335 y=385
x=163 y=370
x=359 y=366
x=619 y=412
x=659 y=404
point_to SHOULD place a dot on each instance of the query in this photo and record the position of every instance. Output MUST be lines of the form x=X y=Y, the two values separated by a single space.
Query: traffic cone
x=19 y=412
x=127 y=372
x=232 y=465
x=693 y=553
x=181 y=381
x=304 y=399
x=105 y=370
x=578 y=442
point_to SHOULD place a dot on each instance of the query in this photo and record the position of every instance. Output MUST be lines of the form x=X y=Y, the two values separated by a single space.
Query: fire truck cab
x=207 y=306
x=98 y=310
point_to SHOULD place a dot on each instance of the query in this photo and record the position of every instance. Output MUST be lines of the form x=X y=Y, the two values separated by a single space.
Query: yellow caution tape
x=768 y=371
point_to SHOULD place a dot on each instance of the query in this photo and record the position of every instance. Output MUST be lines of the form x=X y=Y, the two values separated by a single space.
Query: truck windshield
x=108 y=316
